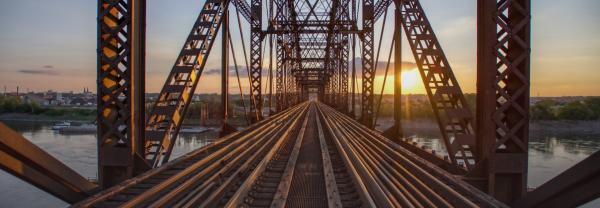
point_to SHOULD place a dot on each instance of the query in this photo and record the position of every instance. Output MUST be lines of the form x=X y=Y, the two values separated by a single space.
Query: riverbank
x=566 y=126
x=33 y=117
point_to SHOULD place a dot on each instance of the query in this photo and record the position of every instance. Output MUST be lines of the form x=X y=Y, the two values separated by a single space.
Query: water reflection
x=549 y=155
x=78 y=151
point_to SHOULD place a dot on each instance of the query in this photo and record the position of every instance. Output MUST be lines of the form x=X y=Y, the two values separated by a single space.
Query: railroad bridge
x=306 y=151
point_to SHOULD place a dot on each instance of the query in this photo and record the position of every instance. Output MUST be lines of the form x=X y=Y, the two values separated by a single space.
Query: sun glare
x=409 y=78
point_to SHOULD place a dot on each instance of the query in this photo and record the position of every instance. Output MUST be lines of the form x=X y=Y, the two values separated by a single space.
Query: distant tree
x=575 y=110
x=11 y=104
x=543 y=110
x=593 y=103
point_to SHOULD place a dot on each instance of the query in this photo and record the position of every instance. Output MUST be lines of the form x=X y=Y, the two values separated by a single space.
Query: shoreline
x=565 y=126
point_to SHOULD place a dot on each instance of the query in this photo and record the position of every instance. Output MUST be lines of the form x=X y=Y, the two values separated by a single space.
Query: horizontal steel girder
x=25 y=160
x=574 y=187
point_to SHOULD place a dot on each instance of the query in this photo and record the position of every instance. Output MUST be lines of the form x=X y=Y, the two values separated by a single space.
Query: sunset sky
x=52 y=45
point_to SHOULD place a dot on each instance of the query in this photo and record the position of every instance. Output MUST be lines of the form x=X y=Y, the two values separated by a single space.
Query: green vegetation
x=35 y=111
x=547 y=109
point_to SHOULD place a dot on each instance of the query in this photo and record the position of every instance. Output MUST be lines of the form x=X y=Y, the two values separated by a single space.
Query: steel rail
x=254 y=142
x=421 y=188
x=106 y=194
x=195 y=178
x=422 y=194
x=239 y=197
x=393 y=150
x=283 y=189
x=392 y=192
x=188 y=171
x=399 y=192
x=379 y=196
x=210 y=202
x=192 y=199
x=416 y=170
x=339 y=155
x=333 y=196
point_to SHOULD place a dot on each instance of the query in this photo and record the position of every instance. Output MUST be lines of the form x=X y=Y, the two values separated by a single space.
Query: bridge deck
x=306 y=156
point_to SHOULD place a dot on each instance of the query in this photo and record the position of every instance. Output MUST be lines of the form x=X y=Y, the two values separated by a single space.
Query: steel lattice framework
x=449 y=104
x=120 y=74
x=312 y=48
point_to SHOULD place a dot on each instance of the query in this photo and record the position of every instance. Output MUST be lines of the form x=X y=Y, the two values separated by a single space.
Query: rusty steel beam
x=503 y=72
x=25 y=160
x=225 y=128
x=121 y=72
x=395 y=133
x=170 y=109
x=572 y=188
x=368 y=70
x=256 y=61
x=344 y=73
x=452 y=111
x=244 y=8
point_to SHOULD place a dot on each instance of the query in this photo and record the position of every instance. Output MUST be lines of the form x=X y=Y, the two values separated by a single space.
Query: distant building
x=31 y=98
x=78 y=101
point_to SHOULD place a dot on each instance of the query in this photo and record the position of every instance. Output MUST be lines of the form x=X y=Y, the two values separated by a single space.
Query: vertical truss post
x=298 y=91
x=290 y=80
x=352 y=112
x=395 y=132
x=344 y=73
x=225 y=128
x=334 y=68
x=503 y=72
x=326 y=93
x=121 y=72
x=280 y=75
x=368 y=76
x=256 y=61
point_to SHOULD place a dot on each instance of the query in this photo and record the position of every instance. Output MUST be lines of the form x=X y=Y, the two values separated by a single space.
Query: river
x=549 y=155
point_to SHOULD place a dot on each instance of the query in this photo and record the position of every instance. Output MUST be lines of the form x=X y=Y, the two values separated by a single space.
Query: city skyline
x=562 y=62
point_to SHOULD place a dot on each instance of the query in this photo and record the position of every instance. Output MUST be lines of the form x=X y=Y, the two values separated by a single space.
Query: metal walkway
x=308 y=156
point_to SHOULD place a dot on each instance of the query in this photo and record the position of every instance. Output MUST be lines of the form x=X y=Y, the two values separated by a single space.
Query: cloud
x=39 y=72
x=212 y=71
x=49 y=66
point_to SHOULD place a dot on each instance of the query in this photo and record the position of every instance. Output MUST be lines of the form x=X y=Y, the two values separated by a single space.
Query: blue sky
x=52 y=44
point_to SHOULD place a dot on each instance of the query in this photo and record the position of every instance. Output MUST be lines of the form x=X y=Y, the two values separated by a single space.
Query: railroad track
x=308 y=156
x=394 y=176
x=203 y=169
x=298 y=176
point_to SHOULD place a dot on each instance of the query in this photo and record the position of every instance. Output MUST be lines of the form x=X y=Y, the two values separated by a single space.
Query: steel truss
x=256 y=61
x=503 y=57
x=121 y=73
x=453 y=114
x=368 y=70
x=171 y=106
x=312 y=49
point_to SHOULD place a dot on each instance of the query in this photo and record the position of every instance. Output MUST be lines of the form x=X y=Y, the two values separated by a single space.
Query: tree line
x=588 y=109
x=16 y=105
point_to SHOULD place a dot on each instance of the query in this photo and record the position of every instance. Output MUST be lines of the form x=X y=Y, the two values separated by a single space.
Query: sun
x=410 y=78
